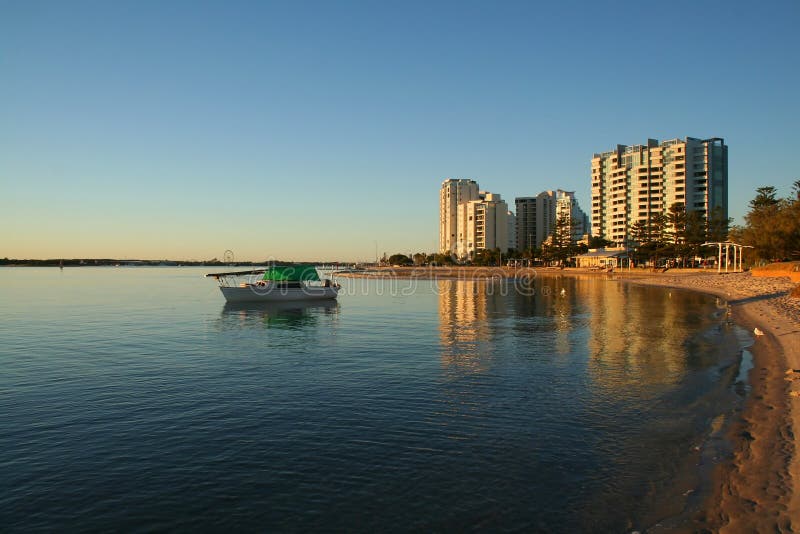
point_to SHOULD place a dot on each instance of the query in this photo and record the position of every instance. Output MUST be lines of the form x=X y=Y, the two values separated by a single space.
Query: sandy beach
x=758 y=488
x=756 y=491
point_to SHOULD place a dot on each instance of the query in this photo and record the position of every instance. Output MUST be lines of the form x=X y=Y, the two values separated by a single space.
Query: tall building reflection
x=477 y=316
x=562 y=312
x=624 y=334
x=643 y=329
x=465 y=325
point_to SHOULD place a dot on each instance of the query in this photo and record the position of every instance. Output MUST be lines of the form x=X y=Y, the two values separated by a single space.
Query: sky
x=323 y=130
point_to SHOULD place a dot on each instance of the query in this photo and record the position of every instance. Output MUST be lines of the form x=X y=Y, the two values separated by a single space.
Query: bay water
x=135 y=399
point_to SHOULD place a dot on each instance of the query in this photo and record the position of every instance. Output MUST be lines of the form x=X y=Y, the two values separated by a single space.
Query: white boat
x=279 y=283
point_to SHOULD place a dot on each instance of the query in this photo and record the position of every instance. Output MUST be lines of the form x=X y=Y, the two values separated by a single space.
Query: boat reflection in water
x=287 y=315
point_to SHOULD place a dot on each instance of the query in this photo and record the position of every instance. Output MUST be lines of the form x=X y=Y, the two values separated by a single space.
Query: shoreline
x=753 y=489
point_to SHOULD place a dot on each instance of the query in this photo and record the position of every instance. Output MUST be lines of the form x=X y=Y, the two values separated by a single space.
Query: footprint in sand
x=792 y=374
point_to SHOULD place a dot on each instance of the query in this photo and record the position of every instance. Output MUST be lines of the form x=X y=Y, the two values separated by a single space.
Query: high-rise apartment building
x=471 y=220
x=567 y=206
x=512 y=230
x=482 y=225
x=453 y=193
x=536 y=218
x=633 y=183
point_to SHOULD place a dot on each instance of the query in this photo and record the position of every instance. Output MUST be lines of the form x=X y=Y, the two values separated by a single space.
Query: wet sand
x=757 y=489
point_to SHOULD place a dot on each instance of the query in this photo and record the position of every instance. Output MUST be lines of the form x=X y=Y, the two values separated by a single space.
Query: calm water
x=134 y=399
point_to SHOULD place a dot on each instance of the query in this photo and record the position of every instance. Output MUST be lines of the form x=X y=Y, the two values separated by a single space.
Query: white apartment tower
x=567 y=205
x=453 y=193
x=482 y=225
x=633 y=183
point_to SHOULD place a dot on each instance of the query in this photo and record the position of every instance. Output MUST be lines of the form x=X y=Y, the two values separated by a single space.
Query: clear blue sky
x=311 y=130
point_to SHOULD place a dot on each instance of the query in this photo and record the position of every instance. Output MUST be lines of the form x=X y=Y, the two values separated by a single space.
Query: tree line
x=677 y=235
x=772 y=226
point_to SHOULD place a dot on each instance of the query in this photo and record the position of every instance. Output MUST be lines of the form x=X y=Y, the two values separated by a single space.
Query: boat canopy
x=234 y=273
x=291 y=273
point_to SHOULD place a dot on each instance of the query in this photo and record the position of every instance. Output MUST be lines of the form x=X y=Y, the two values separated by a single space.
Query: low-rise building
x=601 y=258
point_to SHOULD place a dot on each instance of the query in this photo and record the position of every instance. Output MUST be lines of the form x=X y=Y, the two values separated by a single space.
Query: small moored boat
x=279 y=283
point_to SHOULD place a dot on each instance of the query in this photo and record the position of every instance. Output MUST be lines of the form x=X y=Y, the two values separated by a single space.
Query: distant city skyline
x=324 y=131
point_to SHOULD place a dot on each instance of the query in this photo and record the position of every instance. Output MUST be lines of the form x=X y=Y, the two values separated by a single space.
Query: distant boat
x=279 y=283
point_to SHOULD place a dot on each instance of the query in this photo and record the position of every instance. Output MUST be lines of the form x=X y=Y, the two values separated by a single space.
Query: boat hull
x=253 y=293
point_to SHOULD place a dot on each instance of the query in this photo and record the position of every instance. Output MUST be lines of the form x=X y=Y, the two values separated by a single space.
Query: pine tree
x=761 y=232
x=773 y=224
x=718 y=226
x=563 y=242
x=676 y=223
